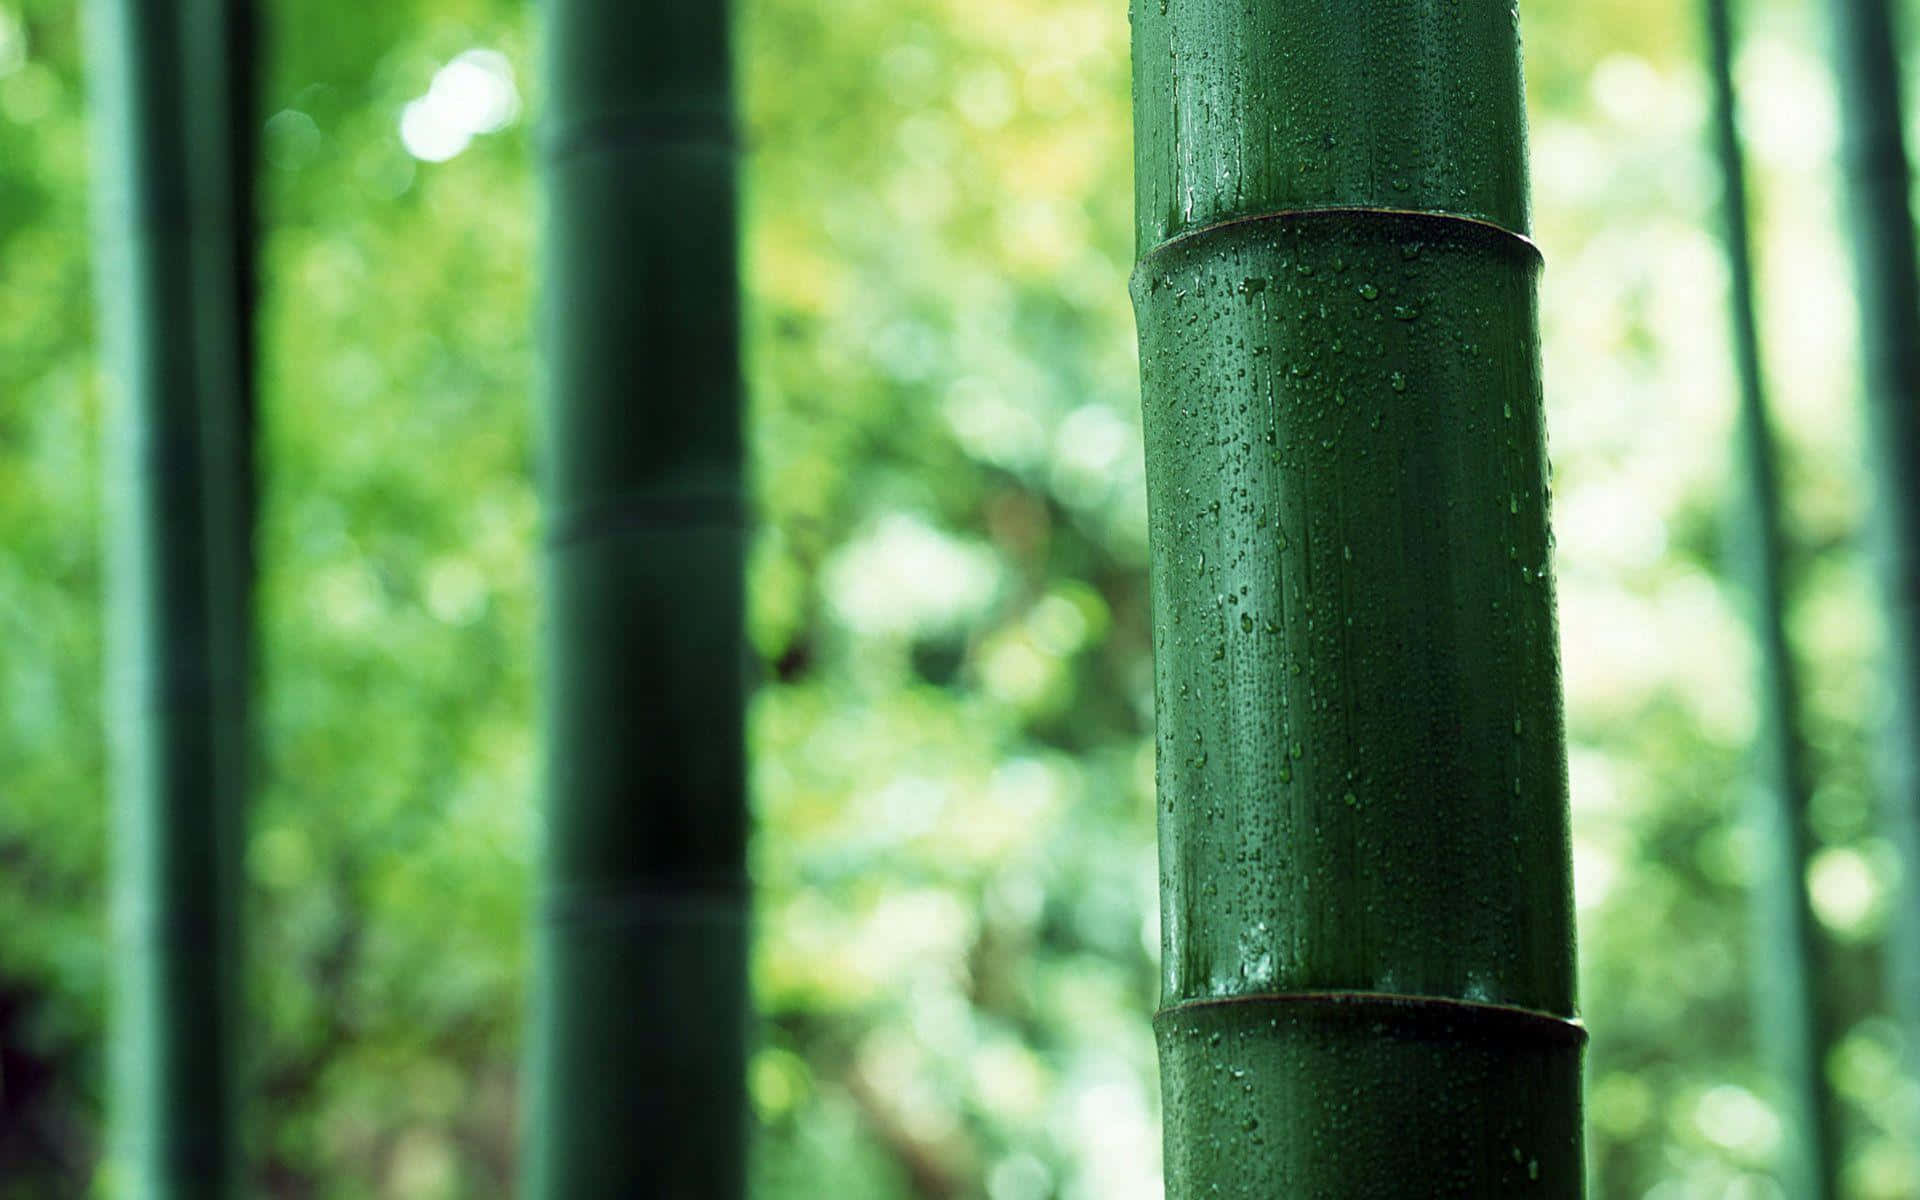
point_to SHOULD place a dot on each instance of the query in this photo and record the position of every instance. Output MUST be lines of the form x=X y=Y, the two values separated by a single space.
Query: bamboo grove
x=1367 y=966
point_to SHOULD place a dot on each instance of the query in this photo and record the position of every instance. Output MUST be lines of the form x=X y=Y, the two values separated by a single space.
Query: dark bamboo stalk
x=641 y=1009
x=1874 y=159
x=1787 y=1007
x=172 y=178
x=1367 y=917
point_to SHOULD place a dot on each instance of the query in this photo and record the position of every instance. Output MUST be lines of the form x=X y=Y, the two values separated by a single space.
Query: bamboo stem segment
x=172 y=182
x=1362 y=772
x=1788 y=1012
x=641 y=1004
x=1877 y=178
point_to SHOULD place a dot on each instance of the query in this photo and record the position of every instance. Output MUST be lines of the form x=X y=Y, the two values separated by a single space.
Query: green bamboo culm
x=1366 y=901
x=173 y=168
x=641 y=1007
x=1874 y=160
x=1788 y=1012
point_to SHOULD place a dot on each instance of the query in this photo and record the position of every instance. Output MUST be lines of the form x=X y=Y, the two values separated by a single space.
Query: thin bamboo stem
x=1787 y=1006
x=1877 y=179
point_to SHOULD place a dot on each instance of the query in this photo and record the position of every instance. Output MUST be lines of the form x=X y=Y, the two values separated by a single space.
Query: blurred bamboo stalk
x=172 y=87
x=1791 y=1026
x=640 y=1015
x=1366 y=890
x=1877 y=178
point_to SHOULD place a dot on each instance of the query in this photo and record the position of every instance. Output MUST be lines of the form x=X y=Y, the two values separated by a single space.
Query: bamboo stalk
x=1367 y=913
x=641 y=1009
x=1877 y=178
x=174 y=264
x=1787 y=1007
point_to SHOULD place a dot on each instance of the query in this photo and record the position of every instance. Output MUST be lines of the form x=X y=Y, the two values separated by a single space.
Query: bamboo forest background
x=952 y=740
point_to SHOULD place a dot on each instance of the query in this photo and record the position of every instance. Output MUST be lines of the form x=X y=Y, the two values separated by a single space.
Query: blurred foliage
x=953 y=762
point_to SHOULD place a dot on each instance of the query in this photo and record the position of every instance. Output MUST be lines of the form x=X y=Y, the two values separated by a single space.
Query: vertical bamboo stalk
x=1877 y=179
x=641 y=1009
x=1367 y=918
x=170 y=178
x=1787 y=1007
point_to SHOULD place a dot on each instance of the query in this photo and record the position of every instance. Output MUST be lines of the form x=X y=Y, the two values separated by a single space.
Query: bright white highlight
x=1844 y=888
x=906 y=577
x=472 y=95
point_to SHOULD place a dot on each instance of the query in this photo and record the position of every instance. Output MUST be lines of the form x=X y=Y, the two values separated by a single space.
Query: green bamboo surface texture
x=1792 y=1028
x=1877 y=179
x=1367 y=918
x=173 y=162
x=640 y=1009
